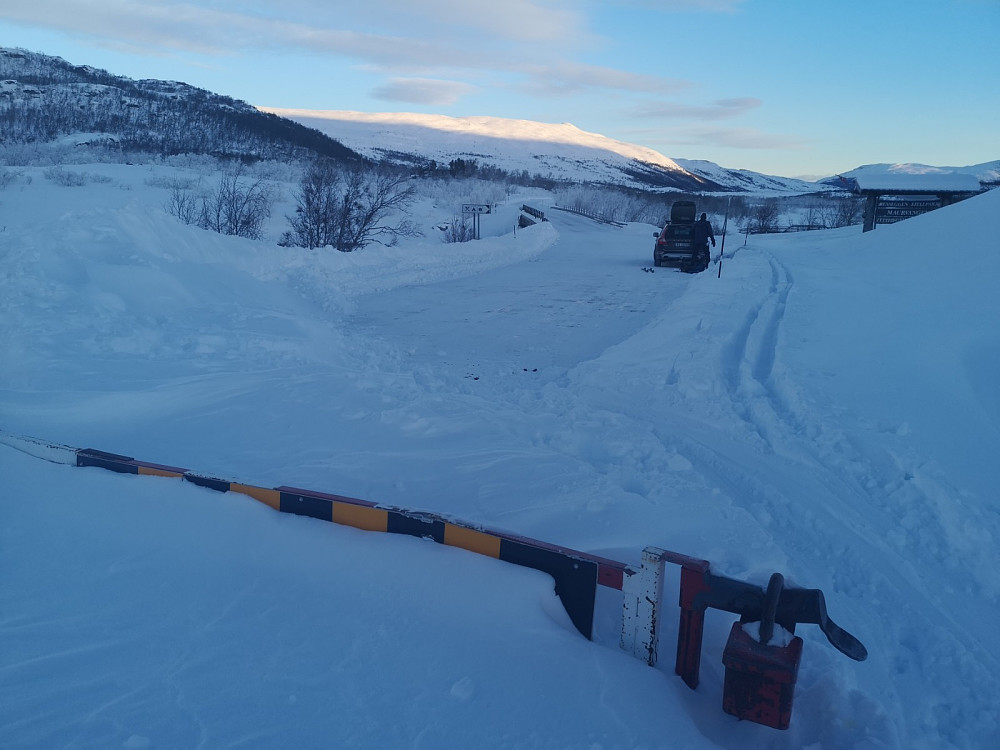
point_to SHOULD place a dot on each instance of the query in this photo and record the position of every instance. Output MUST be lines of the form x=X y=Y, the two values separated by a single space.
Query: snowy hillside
x=44 y=100
x=561 y=151
x=825 y=408
x=987 y=173
x=751 y=182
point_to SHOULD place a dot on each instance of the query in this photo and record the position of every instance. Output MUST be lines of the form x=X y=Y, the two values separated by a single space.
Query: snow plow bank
x=762 y=654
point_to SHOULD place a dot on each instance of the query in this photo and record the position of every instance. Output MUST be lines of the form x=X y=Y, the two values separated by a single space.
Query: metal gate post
x=689 y=636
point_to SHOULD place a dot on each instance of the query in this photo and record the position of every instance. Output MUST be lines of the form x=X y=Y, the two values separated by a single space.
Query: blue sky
x=809 y=87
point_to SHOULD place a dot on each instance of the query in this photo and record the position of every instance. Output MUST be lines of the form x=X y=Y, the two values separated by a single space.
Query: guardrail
x=591 y=215
x=533 y=212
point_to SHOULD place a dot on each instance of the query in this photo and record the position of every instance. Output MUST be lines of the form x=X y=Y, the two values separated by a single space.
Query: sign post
x=476 y=209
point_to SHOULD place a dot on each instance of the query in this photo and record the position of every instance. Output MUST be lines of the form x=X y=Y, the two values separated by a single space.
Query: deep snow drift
x=827 y=409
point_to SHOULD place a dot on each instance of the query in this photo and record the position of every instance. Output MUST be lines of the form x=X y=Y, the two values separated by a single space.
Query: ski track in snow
x=843 y=478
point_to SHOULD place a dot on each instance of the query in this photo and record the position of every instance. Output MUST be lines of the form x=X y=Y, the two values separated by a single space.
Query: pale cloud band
x=567 y=77
x=167 y=27
x=736 y=138
x=219 y=28
x=719 y=110
x=426 y=91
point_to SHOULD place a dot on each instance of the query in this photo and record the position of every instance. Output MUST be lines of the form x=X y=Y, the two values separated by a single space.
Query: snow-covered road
x=566 y=306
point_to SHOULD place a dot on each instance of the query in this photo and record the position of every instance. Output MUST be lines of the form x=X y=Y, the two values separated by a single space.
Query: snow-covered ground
x=827 y=409
x=987 y=172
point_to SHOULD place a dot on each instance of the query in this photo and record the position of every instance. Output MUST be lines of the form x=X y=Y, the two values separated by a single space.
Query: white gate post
x=643 y=594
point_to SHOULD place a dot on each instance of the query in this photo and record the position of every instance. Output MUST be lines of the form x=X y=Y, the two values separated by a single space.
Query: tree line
x=43 y=97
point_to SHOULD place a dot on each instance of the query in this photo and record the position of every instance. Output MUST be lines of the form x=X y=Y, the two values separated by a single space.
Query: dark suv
x=675 y=242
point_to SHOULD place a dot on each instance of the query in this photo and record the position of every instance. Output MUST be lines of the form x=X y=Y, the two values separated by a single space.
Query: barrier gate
x=760 y=674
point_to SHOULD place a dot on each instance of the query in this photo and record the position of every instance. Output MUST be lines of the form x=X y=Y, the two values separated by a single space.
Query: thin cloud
x=187 y=28
x=712 y=6
x=515 y=20
x=433 y=25
x=739 y=138
x=721 y=109
x=570 y=78
x=426 y=91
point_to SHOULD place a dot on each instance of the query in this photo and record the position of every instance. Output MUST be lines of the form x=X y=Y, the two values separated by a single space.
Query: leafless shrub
x=184 y=205
x=459 y=230
x=238 y=206
x=849 y=211
x=170 y=182
x=8 y=177
x=350 y=209
x=842 y=211
x=764 y=216
x=65 y=178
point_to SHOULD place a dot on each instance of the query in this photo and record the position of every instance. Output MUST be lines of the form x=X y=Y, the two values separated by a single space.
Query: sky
x=787 y=88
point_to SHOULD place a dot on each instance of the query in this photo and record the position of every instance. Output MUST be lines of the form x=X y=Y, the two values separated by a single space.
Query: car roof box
x=682 y=212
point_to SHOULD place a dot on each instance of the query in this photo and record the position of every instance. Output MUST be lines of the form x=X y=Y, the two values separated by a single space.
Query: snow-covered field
x=827 y=409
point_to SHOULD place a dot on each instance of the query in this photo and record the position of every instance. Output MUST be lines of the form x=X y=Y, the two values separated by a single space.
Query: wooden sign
x=889 y=210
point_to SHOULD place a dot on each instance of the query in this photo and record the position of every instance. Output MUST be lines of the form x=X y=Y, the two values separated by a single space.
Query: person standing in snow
x=703 y=233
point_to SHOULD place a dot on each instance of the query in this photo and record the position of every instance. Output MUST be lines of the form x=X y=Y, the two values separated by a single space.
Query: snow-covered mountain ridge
x=558 y=150
x=988 y=173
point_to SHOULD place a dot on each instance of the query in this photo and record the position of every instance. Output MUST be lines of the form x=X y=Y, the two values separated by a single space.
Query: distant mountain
x=745 y=180
x=560 y=151
x=45 y=99
x=987 y=173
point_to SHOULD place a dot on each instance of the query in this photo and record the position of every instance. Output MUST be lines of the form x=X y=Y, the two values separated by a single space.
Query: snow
x=905 y=176
x=927 y=181
x=754 y=183
x=826 y=409
x=409 y=132
x=559 y=150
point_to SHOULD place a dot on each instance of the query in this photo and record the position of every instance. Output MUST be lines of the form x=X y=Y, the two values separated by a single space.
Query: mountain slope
x=560 y=151
x=745 y=180
x=44 y=97
x=987 y=173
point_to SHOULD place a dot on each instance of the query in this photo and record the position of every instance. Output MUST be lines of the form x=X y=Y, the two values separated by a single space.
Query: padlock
x=760 y=676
